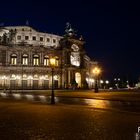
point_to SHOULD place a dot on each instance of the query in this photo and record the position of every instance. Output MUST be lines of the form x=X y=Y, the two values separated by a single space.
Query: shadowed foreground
x=34 y=121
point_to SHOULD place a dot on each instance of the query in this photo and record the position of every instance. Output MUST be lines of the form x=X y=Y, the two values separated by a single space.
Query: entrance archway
x=78 y=78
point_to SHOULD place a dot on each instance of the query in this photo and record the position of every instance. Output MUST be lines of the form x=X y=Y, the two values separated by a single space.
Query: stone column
x=69 y=76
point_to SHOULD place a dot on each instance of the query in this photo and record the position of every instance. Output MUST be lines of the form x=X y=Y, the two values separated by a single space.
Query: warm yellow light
x=17 y=77
x=13 y=75
x=30 y=77
x=42 y=77
x=52 y=61
x=101 y=81
x=107 y=82
x=96 y=70
x=4 y=77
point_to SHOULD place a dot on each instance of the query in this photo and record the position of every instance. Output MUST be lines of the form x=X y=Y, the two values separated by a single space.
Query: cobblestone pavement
x=22 y=120
x=122 y=104
x=127 y=95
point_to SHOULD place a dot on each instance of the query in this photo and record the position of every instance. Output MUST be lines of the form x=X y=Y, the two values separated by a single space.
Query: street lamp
x=96 y=72
x=52 y=64
x=101 y=83
x=107 y=83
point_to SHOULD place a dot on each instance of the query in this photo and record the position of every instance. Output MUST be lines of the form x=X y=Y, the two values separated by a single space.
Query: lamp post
x=96 y=72
x=52 y=64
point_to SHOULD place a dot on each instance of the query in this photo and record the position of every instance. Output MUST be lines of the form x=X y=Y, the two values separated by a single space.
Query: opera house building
x=25 y=55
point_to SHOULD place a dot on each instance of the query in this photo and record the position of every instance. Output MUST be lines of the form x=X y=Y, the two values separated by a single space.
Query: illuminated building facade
x=25 y=54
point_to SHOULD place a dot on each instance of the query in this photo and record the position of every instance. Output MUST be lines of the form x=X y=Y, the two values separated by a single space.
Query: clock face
x=75 y=56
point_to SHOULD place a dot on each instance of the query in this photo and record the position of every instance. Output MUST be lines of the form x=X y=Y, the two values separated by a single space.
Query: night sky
x=111 y=29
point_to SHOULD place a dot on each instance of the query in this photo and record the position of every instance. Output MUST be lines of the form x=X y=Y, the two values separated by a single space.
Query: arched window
x=13 y=59
x=24 y=75
x=47 y=77
x=78 y=78
x=13 y=76
x=35 y=76
x=35 y=60
x=46 y=60
x=56 y=77
x=24 y=59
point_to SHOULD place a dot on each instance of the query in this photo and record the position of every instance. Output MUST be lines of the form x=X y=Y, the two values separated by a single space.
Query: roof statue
x=69 y=30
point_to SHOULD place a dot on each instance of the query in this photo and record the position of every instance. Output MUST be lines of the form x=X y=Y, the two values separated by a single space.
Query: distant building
x=25 y=55
x=138 y=85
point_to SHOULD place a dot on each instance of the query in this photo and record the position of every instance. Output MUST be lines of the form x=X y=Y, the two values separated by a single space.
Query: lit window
x=13 y=76
x=47 y=77
x=46 y=61
x=19 y=37
x=25 y=59
x=56 y=77
x=41 y=38
x=35 y=76
x=24 y=75
x=35 y=60
x=26 y=37
x=34 y=38
x=13 y=59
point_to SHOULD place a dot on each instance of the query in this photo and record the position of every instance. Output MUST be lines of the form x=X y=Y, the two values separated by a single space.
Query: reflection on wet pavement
x=96 y=103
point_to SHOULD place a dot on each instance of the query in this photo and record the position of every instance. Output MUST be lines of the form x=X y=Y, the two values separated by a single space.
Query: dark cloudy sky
x=111 y=28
